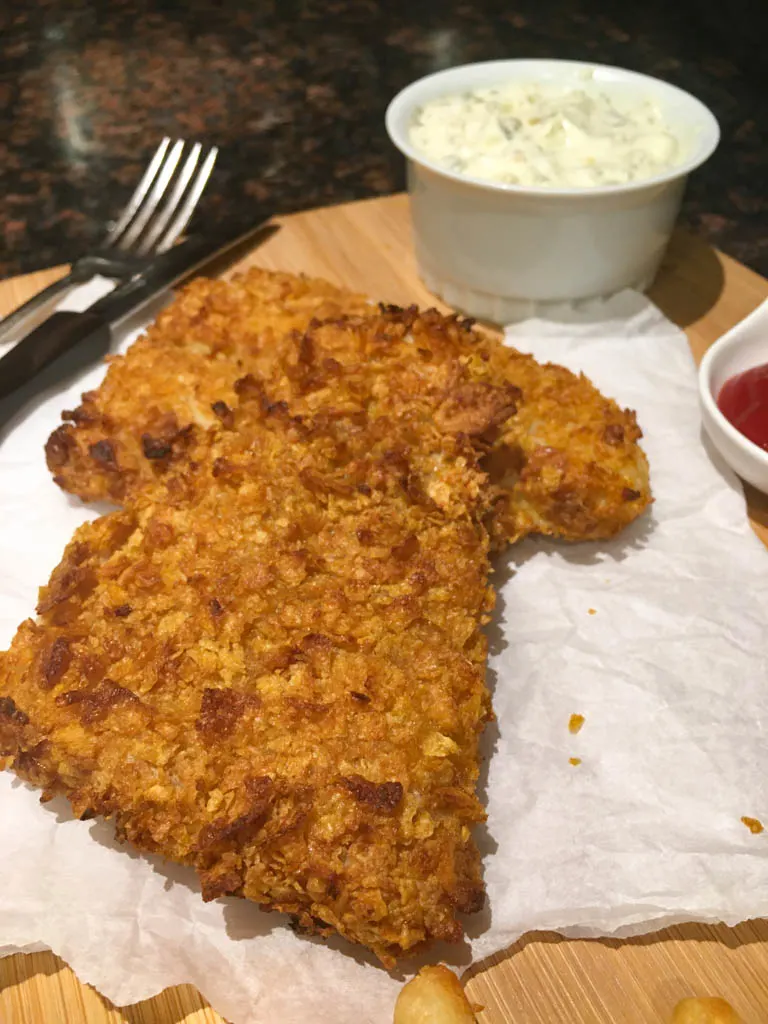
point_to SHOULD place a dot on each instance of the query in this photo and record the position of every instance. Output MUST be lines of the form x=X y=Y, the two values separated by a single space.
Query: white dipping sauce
x=542 y=135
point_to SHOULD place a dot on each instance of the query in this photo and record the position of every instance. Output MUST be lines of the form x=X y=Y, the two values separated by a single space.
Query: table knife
x=64 y=330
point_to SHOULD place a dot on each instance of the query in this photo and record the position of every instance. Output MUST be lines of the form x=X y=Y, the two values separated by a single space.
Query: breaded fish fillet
x=271 y=665
x=567 y=465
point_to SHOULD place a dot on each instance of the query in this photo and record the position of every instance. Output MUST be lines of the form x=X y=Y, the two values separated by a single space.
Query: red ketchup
x=743 y=400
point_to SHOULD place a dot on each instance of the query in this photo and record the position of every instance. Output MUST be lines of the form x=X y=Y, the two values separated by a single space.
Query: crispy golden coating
x=271 y=665
x=567 y=465
x=212 y=334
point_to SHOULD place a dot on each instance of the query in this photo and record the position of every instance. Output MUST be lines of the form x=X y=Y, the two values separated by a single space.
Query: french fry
x=711 y=1010
x=434 y=996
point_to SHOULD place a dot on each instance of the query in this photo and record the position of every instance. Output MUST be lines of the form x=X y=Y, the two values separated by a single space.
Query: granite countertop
x=294 y=91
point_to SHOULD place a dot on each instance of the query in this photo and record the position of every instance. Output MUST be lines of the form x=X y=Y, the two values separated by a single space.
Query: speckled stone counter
x=294 y=92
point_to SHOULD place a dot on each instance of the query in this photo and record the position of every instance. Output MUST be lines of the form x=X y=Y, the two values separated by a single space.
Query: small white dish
x=502 y=252
x=740 y=349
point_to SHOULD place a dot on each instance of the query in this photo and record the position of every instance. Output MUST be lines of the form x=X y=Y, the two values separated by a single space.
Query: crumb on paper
x=754 y=825
x=575 y=761
x=592 y=611
x=575 y=722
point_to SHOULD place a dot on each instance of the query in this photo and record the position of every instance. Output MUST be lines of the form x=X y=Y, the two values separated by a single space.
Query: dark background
x=294 y=91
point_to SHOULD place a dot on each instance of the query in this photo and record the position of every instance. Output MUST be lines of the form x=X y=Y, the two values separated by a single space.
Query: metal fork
x=154 y=217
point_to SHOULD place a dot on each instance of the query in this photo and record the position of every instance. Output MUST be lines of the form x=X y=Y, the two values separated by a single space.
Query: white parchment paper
x=657 y=638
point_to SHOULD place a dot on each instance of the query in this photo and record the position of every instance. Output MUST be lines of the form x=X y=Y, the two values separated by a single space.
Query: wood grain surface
x=543 y=979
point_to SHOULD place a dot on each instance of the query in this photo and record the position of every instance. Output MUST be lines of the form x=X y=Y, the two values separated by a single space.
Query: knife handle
x=57 y=335
x=23 y=320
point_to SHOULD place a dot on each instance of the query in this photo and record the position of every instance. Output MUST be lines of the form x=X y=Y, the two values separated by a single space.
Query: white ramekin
x=740 y=349
x=501 y=252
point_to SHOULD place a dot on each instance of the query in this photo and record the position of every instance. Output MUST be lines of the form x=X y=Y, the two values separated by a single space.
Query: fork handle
x=21 y=320
x=57 y=335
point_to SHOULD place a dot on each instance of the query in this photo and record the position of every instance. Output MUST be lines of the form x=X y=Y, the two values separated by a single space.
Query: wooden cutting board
x=542 y=979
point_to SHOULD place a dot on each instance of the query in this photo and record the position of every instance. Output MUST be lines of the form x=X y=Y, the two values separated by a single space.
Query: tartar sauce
x=535 y=133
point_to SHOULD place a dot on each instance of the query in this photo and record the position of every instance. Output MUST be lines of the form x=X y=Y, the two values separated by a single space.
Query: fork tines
x=164 y=200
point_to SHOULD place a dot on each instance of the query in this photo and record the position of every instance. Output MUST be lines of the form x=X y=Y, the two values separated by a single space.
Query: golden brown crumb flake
x=754 y=825
x=215 y=884
x=155 y=448
x=55 y=662
x=407 y=550
x=59 y=446
x=224 y=414
x=221 y=710
x=474 y=409
x=575 y=724
x=95 y=704
x=259 y=795
x=614 y=434
x=307 y=707
x=33 y=764
x=103 y=452
x=9 y=711
x=381 y=796
x=629 y=494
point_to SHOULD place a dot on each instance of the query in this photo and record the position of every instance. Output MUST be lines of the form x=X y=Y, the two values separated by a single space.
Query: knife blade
x=64 y=330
